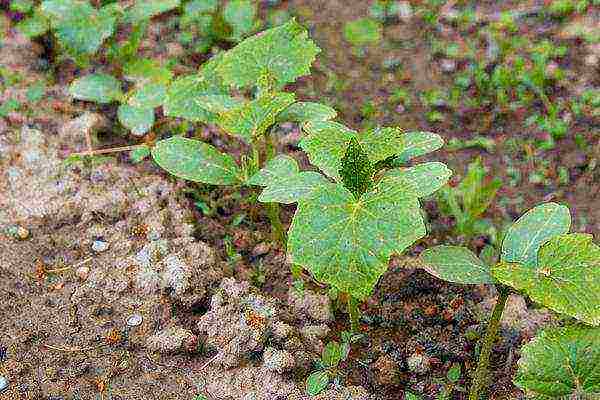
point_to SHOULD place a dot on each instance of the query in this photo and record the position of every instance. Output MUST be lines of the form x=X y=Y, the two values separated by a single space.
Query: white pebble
x=99 y=246
x=134 y=320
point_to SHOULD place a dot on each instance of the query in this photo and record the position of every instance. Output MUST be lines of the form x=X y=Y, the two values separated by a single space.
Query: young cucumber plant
x=264 y=63
x=558 y=270
x=80 y=30
x=350 y=220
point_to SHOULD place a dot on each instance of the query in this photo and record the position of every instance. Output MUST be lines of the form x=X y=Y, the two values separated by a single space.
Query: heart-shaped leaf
x=196 y=161
x=347 y=242
x=524 y=238
x=283 y=181
x=423 y=179
x=566 y=277
x=416 y=144
x=456 y=264
x=302 y=112
x=253 y=118
x=284 y=53
x=317 y=382
x=100 y=88
x=561 y=363
x=137 y=120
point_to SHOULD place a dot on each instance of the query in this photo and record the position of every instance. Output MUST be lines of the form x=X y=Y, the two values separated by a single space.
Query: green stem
x=277 y=229
x=354 y=313
x=480 y=379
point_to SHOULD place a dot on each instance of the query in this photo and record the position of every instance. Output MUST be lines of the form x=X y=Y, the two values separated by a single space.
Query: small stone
x=419 y=363
x=261 y=249
x=99 y=246
x=448 y=65
x=134 y=320
x=403 y=10
x=3 y=384
x=83 y=272
x=170 y=340
x=278 y=360
x=22 y=233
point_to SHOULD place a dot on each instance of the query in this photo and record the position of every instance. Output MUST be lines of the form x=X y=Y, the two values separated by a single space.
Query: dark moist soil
x=410 y=312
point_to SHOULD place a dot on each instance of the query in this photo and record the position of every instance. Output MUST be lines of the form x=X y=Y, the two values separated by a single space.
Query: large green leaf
x=302 y=112
x=138 y=120
x=100 y=88
x=566 y=277
x=283 y=181
x=524 y=238
x=146 y=9
x=284 y=53
x=196 y=161
x=253 y=118
x=423 y=179
x=184 y=98
x=456 y=264
x=347 y=242
x=561 y=363
x=415 y=144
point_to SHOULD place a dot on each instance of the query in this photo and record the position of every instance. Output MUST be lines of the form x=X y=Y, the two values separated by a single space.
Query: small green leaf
x=146 y=70
x=21 y=6
x=524 y=238
x=456 y=264
x=565 y=278
x=326 y=144
x=253 y=118
x=332 y=354
x=241 y=16
x=453 y=374
x=35 y=92
x=33 y=26
x=423 y=179
x=196 y=161
x=476 y=194
x=138 y=154
x=416 y=144
x=150 y=95
x=347 y=242
x=317 y=382
x=357 y=170
x=184 y=99
x=302 y=112
x=285 y=53
x=363 y=31
x=146 y=9
x=283 y=181
x=137 y=120
x=561 y=363
x=99 y=88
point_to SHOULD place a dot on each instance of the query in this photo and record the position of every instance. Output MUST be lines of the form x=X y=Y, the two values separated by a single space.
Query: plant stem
x=480 y=379
x=273 y=208
x=354 y=313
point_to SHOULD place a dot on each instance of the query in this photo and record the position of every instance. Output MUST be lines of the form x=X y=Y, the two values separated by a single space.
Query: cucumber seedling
x=359 y=212
x=556 y=269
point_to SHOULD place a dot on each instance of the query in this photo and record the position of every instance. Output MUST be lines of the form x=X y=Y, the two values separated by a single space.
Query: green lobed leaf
x=196 y=161
x=150 y=95
x=145 y=70
x=524 y=237
x=381 y=143
x=363 y=31
x=566 y=277
x=253 y=118
x=138 y=120
x=146 y=9
x=561 y=363
x=456 y=264
x=284 y=52
x=33 y=26
x=99 y=88
x=356 y=170
x=302 y=112
x=317 y=382
x=241 y=16
x=423 y=179
x=416 y=144
x=184 y=98
x=347 y=242
x=283 y=181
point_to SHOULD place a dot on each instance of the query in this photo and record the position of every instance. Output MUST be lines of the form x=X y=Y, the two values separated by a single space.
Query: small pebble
x=418 y=363
x=448 y=65
x=3 y=384
x=83 y=272
x=22 y=233
x=261 y=249
x=134 y=320
x=99 y=246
